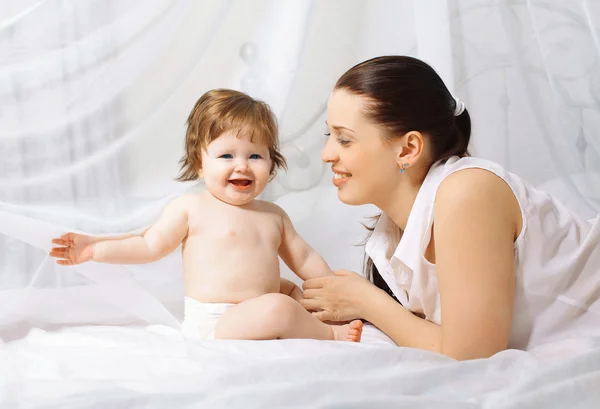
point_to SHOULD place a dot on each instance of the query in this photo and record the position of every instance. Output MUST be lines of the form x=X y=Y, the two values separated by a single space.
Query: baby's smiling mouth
x=241 y=184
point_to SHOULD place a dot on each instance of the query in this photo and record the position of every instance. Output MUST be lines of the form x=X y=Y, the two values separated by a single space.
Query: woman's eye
x=343 y=142
x=226 y=156
x=255 y=156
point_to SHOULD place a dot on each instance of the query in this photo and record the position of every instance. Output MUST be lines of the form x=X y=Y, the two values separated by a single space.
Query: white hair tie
x=459 y=107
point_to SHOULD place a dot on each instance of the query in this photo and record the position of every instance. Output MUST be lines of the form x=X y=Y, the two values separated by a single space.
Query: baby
x=231 y=242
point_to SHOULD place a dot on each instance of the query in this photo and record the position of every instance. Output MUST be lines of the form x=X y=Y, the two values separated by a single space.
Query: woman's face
x=365 y=168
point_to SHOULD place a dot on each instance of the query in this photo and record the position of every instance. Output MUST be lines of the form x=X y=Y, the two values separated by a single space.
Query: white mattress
x=86 y=357
x=153 y=367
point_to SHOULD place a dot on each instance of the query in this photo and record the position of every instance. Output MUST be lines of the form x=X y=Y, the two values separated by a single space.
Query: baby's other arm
x=291 y=289
x=298 y=255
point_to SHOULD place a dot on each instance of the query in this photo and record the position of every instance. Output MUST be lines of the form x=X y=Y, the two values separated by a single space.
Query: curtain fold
x=94 y=96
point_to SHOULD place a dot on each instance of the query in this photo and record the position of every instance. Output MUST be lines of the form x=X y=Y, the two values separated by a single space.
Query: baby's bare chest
x=239 y=227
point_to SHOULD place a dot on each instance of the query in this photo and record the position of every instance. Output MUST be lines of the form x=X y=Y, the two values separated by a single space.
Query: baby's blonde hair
x=223 y=110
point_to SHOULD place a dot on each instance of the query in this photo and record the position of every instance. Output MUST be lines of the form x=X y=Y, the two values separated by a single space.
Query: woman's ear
x=411 y=148
x=200 y=173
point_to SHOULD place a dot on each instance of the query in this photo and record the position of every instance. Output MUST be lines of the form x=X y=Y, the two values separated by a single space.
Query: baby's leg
x=277 y=316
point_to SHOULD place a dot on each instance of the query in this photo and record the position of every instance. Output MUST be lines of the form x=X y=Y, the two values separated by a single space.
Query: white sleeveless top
x=557 y=258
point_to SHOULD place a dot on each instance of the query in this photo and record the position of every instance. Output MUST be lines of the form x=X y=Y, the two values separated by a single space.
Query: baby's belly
x=231 y=277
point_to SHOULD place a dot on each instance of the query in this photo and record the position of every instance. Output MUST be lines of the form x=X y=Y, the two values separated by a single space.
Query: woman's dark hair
x=405 y=94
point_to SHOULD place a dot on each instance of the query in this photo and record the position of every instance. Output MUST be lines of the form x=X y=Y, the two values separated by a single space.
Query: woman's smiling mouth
x=339 y=178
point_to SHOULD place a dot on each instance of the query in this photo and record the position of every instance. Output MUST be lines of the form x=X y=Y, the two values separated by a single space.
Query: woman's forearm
x=403 y=327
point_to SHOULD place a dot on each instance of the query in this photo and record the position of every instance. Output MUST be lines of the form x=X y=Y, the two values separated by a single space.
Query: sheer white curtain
x=530 y=73
x=94 y=95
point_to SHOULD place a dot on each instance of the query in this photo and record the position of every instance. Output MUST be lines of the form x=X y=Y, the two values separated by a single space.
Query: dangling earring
x=405 y=166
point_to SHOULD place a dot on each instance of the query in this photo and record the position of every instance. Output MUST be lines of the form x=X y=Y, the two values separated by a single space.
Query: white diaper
x=200 y=319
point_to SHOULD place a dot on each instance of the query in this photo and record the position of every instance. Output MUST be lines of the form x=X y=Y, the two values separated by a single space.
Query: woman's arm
x=402 y=326
x=477 y=219
x=349 y=296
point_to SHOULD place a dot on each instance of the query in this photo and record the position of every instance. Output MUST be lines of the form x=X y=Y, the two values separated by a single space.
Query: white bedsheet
x=153 y=367
x=66 y=341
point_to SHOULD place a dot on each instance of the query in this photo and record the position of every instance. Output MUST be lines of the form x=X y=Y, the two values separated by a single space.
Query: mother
x=466 y=259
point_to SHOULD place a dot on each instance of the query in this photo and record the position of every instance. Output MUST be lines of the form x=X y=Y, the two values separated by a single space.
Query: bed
x=113 y=342
x=152 y=367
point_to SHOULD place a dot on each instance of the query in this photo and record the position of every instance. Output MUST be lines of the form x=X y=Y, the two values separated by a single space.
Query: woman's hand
x=336 y=298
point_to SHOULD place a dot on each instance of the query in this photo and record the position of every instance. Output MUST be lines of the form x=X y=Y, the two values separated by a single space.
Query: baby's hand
x=77 y=248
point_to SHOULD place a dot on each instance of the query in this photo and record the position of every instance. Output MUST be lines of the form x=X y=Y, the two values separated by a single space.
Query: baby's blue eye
x=255 y=156
x=226 y=156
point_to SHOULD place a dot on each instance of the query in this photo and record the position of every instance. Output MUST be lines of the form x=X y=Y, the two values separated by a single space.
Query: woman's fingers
x=324 y=315
x=311 y=304
x=345 y=273
x=314 y=283
x=311 y=293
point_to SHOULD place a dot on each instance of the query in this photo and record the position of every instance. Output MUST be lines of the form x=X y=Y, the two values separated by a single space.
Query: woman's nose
x=329 y=153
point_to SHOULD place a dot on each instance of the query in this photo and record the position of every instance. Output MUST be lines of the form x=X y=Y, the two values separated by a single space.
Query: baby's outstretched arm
x=298 y=255
x=156 y=242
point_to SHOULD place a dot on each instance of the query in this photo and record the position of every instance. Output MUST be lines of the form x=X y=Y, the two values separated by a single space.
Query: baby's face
x=235 y=170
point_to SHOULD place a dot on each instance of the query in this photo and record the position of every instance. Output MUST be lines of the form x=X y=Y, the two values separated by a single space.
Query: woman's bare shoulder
x=466 y=184
x=476 y=191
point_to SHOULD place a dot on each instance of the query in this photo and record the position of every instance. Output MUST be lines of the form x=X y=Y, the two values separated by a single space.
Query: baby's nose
x=241 y=166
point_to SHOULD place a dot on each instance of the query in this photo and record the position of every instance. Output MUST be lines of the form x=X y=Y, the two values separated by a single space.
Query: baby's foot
x=350 y=332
